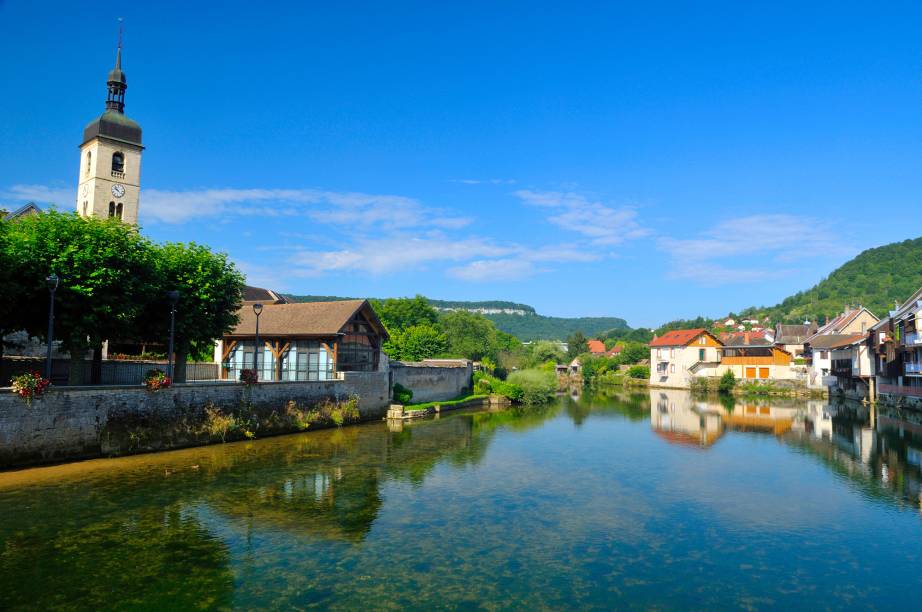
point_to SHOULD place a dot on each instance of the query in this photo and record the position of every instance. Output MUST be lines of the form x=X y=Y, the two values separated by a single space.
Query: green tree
x=210 y=292
x=470 y=335
x=546 y=350
x=13 y=293
x=576 y=344
x=398 y=314
x=634 y=352
x=416 y=343
x=107 y=275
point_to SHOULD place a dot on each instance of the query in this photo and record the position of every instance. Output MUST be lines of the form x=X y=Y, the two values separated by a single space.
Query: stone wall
x=81 y=422
x=433 y=380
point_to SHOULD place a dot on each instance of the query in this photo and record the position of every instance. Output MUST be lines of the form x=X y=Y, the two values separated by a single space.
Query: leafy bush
x=639 y=371
x=727 y=382
x=402 y=395
x=700 y=384
x=510 y=391
x=537 y=386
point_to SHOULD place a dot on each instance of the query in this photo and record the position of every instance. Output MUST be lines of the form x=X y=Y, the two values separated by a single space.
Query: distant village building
x=791 y=338
x=596 y=347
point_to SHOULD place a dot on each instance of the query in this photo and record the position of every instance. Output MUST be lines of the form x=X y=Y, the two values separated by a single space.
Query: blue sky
x=644 y=160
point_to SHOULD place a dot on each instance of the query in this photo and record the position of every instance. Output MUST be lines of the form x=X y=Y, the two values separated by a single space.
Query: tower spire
x=117 y=83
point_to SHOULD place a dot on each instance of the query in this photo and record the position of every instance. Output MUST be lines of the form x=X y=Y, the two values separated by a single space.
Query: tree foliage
x=876 y=278
x=113 y=284
x=209 y=289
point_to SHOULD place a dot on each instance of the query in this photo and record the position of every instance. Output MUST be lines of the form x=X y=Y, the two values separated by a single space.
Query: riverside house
x=305 y=341
x=791 y=338
x=680 y=355
x=753 y=357
x=896 y=342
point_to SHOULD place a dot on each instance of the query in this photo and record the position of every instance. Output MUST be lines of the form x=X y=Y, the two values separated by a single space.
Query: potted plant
x=156 y=380
x=29 y=386
x=249 y=377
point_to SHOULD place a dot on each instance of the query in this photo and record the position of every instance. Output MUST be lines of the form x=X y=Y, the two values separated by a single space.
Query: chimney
x=746 y=338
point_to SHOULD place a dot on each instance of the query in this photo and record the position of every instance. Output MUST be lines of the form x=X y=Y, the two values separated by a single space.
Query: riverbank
x=71 y=423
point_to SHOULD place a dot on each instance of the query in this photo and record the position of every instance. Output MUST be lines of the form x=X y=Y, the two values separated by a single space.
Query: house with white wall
x=680 y=355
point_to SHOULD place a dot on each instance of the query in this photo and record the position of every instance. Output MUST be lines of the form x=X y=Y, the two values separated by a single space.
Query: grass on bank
x=452 y=402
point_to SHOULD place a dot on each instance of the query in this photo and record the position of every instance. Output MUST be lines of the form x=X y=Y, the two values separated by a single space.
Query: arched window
x=118 y=162
x=118 y=211
x=89 y=161
x=111 y=209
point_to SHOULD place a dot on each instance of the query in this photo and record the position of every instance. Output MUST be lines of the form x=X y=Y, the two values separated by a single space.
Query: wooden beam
x=228 y=349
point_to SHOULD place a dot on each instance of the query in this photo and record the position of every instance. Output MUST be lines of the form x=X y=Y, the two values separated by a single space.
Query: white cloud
x=603 y=225
x=752 y=248
x=18 y=195
x=494 y=270
x=360 y=210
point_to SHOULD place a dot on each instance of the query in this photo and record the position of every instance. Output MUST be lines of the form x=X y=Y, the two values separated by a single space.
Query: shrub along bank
x=531 y=386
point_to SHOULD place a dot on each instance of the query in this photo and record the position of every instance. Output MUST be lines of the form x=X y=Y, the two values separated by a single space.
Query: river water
x=648 y=500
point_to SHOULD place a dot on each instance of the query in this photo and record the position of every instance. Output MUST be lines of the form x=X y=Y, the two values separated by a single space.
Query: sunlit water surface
x=650 y=500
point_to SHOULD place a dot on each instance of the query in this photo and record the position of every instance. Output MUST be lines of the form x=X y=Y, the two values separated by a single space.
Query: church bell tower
x=109 y=182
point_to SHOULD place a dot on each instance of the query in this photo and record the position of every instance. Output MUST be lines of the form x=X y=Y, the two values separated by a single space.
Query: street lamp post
x=257 y=309
x=173 y=296
x=52 y=283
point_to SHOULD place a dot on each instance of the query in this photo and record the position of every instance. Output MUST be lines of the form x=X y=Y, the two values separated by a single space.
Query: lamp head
x=51 y=281
x=173 y=296
x=257 y=308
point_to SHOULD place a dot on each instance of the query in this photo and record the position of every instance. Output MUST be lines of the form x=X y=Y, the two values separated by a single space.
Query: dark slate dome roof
x=113 y=124
x=117 y=76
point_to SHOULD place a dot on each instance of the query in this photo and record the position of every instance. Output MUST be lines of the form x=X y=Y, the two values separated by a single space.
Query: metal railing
x=111 y=371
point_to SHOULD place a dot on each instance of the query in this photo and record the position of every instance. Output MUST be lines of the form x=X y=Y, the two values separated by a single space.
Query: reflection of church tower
x=110 y=157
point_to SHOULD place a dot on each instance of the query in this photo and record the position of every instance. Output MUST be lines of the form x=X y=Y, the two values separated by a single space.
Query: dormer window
x=118 y=164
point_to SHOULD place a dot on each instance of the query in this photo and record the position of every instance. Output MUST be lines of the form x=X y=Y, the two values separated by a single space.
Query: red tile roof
x=678 y=337
x=615 y=350
x=596 y=346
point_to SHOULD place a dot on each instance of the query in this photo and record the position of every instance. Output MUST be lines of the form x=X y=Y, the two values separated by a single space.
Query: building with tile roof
x=680 y=355
x=305 y=341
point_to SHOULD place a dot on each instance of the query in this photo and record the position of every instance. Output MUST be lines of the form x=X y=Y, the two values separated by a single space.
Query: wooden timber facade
x=305 y=341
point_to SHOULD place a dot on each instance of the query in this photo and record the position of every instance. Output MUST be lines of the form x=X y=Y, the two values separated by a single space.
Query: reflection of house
x=680 y=355
x=897 y=342
x=752 y=357
x=679 y=420
x=305 y=341
x=760 y=417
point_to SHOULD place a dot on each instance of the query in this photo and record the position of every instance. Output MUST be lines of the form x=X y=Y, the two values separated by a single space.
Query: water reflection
x=580 y=503
x=877 y=448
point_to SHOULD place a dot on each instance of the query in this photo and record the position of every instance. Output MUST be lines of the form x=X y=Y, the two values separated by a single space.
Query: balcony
x=117 y=174
x=913 y=368
x=912 y=339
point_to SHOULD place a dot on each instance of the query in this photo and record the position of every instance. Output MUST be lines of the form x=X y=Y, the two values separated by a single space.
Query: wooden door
x=750 y=372
x=763 y=373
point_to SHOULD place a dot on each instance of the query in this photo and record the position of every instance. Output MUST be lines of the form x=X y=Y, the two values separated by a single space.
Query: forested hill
x=876 y=278
x=537 y=327
x=520 y=320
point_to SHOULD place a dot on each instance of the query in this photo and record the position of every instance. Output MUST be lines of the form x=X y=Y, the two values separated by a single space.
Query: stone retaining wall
x=433 y=380
x=82 y=422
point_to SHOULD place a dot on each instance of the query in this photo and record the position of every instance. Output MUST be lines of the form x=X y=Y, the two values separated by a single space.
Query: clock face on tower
x=118 y=190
